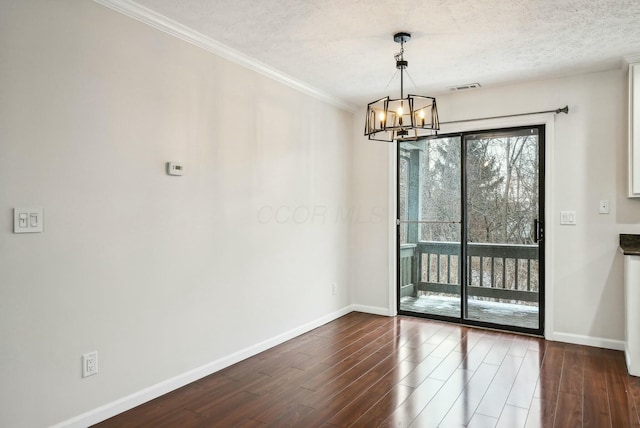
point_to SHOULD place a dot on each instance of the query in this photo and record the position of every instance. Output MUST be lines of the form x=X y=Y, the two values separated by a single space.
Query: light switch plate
x=604 y=207
x=568 y=217
x=28 y=220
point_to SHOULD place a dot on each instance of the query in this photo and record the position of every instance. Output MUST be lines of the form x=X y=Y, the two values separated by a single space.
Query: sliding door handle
x=538 y=230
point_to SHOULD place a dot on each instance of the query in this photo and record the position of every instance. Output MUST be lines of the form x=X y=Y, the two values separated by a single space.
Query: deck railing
x=499 y=271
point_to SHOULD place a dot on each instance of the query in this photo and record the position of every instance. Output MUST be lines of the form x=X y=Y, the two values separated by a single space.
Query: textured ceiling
x=345 y=47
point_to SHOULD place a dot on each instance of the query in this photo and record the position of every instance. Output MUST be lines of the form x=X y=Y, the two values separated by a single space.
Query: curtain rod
x=564 y=109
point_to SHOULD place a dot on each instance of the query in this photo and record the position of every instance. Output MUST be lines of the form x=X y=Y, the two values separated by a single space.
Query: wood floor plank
x=219 y=408
x=355 y=344
x=251 y=423
x=270 y=383
x=477 y=354
x=410 y=333
x=435 y=334
x=445 y=348
x=542 y=414
x=512 y=417
x=419 y=353
x=634 y=390
x=213 y=396
x=572 y=376
x=421 y=372
x=519 y=347
x=550 y=374
x=270 y=404
x=338 y=409
x=448 y=365
x=406 y=413
x=500 y=388
x=444 y=331
x=498 y=352
x=238 y=372
x=347 y=365
x=158 y=407
x=596 y=400
x=344 y=326
x=323 y=394
x=384 y=407
x=568 y=411
x=463 y=409
x=179 y=417
x=272 y=410
x=482 y=421
x=352 y=412
x=292 y=416
x=525 y=384
x=435 y=411
x=621 y=404
x=365 y=370
x=469 y=340
x=353 y=347
x=334 y=409
x=538 y=344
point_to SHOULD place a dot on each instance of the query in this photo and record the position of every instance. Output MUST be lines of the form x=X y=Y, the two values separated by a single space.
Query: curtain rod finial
x=564 y=109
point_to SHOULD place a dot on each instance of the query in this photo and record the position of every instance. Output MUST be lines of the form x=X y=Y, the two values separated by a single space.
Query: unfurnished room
x=242 y=213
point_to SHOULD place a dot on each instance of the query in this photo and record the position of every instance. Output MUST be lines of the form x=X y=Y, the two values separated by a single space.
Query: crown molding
x=630 y=59
x=182 y=32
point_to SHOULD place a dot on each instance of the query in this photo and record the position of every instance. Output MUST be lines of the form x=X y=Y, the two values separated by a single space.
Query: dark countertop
x=630 y=244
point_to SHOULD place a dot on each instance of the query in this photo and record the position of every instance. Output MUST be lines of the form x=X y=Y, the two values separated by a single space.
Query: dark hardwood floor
x=367 y=371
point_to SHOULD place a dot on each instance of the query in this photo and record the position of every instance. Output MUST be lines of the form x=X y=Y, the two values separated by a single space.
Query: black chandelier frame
x=407 y=118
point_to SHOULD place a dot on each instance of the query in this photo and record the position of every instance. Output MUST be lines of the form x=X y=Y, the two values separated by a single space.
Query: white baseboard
x=372 y=310
x=633 y=370
x=598 y=342
x=116 y=407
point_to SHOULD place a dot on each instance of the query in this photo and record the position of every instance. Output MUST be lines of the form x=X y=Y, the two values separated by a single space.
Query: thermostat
x=175 y=168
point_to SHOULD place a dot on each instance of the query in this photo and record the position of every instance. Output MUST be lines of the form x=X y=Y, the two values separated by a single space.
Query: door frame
x=546 y=119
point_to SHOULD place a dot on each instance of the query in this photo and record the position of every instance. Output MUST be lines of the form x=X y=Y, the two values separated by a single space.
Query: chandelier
x=407 y=118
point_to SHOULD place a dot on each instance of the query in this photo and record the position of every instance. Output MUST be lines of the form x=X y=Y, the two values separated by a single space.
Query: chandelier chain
x=400 y=55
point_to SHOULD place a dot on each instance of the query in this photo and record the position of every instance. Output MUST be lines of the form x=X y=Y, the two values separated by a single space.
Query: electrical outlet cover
x=90 y=364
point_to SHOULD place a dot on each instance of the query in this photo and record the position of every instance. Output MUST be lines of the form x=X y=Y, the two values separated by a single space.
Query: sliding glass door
x=430 y=226
x=470 y=228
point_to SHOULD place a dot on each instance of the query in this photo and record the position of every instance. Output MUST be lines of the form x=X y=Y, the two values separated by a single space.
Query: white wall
x=161 y=275
x=589 y=164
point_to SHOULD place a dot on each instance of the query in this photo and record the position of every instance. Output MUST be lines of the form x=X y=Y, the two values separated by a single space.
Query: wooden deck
x=368 y=371
x=479 y=310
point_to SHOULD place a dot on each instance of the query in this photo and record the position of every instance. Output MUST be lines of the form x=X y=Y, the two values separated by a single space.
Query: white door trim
x=546 y=119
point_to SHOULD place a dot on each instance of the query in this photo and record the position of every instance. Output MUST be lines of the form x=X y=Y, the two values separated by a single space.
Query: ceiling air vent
x=463 y=87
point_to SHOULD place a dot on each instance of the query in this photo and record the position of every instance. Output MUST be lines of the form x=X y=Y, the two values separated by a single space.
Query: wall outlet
x=334 y=289
x=90 y=364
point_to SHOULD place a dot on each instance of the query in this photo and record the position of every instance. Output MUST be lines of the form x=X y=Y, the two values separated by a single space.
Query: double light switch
x=28 y=220
x=568 y=217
